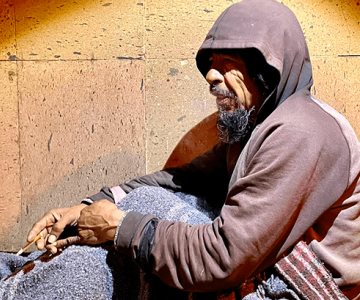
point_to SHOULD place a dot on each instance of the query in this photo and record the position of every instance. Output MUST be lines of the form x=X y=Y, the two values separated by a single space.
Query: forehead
x=226 y=56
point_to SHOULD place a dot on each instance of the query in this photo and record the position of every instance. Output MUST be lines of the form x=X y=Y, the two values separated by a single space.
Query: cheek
x=233 y=81
x=254 y=91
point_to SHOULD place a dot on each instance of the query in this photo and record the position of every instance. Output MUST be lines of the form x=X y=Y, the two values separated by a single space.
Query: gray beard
x=236 y=125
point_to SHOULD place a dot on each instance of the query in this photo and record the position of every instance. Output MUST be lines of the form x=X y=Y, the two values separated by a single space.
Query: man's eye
x=228 y=66
x=230 y=62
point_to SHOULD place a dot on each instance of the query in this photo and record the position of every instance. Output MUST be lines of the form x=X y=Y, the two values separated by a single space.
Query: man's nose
x=214 y=77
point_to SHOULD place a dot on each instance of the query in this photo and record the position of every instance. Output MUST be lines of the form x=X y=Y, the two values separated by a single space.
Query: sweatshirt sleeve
x=287 y=185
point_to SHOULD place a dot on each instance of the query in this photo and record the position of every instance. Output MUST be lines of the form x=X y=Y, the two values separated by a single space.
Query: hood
x=271 y=28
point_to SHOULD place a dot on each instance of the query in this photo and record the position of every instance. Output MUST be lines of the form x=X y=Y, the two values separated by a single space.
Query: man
x=287 y=170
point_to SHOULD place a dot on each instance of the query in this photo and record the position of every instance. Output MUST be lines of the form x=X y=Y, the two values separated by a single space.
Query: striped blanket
x=307 y=275
x=298 y=276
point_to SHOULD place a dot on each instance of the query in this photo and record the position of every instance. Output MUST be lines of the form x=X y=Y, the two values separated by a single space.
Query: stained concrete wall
x=95 y=92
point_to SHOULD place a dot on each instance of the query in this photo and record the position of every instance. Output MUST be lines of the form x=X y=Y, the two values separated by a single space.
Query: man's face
x=231 y=84
x=237 y=95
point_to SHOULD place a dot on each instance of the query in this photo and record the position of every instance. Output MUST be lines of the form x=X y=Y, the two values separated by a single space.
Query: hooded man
x=286 y=171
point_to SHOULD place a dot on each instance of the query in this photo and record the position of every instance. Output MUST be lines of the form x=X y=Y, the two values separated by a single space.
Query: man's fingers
x=71 y=240
x=52 y=248
x=58 y=228
x=38 y=227
x=46 y=221
x=40 y=244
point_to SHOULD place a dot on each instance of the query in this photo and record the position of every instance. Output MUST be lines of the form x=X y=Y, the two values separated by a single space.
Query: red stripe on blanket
x=306 y=274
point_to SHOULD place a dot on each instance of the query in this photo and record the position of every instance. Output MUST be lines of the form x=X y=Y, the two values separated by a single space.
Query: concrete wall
x=94 y=92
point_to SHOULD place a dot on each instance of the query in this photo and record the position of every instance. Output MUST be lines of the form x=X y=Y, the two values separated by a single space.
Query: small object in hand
x=27 y=246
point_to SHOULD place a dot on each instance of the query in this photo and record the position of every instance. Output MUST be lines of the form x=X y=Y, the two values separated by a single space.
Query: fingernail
x=51 y=239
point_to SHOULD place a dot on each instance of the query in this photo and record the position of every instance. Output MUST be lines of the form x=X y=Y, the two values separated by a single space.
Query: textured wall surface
x=94 y=92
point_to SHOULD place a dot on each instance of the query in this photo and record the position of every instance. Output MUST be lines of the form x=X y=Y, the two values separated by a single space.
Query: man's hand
x=53 y=223
x=96 y=225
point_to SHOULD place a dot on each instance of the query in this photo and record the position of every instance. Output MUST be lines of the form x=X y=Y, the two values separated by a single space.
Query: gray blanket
x=82 y=272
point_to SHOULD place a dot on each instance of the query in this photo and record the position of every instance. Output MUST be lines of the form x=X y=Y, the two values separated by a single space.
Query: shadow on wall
x=104 y=170
x=91 y=177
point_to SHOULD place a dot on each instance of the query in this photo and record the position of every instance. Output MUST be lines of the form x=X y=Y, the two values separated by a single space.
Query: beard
x=235 y=125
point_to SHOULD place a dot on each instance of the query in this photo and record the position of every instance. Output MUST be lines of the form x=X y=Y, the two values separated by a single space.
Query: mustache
x=219 y=92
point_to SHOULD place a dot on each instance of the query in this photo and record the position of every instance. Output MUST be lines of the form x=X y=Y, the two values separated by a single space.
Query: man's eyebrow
x=233 y=57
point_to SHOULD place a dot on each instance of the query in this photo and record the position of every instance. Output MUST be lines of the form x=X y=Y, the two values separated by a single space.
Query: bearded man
x=284 y=180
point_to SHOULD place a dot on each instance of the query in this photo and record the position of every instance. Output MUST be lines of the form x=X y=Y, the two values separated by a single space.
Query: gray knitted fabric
x=73 y=275
x=83 y=272
x=273 y=288
x=169 y=206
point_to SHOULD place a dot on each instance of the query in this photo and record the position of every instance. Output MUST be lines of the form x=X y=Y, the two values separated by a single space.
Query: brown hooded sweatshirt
x=296 y=178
